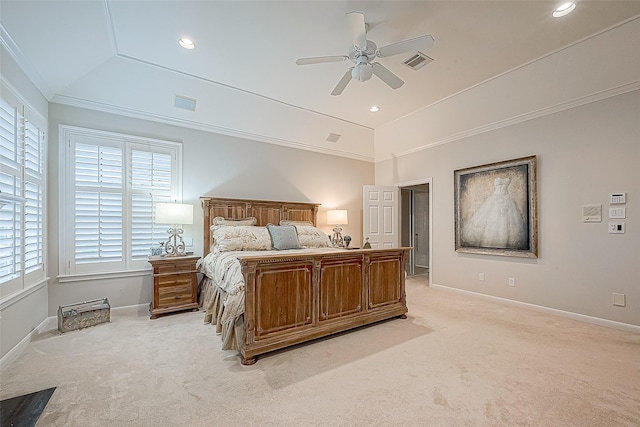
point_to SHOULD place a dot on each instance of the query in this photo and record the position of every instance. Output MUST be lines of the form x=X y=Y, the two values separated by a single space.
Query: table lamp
x=337 y=217
x=176 y=215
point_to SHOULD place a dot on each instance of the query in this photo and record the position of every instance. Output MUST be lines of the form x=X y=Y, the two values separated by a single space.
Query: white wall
x=213 y=165
x=21 y=313
x=587 y=147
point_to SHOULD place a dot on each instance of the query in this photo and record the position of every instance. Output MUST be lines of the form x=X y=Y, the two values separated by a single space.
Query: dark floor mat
x=24 y=411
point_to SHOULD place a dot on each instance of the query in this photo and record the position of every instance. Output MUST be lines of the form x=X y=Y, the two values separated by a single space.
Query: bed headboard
x=265 y=212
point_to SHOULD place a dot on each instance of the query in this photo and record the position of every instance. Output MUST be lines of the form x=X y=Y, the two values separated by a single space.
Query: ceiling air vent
x=333 y=137
x=185 y=103
x=417 y=61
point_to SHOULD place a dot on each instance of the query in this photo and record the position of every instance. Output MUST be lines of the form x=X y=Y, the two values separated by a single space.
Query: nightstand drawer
x=173 y=268
x=171 y=280
x=174 y=295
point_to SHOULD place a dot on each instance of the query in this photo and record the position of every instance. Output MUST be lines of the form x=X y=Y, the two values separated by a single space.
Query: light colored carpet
x=456 y=361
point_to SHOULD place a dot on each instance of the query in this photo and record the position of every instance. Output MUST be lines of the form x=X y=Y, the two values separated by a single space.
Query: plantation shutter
x=98 y=203
x=151 y=182
x=10 y=194
x=34 y=195
x=111 y=186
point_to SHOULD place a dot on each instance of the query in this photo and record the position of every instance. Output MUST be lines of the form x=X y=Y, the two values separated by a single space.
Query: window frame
x=69 y=270
x=32 y=277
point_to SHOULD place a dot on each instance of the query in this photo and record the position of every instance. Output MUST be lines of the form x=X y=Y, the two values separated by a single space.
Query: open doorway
x=414 y=227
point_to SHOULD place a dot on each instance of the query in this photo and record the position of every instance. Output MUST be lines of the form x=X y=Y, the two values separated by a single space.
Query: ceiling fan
x=363 y=51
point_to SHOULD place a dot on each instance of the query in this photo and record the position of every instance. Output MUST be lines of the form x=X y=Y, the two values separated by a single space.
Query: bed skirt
x=224 y=312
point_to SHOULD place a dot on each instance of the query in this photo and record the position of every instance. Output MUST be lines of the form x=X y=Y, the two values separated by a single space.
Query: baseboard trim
x=567 y=314
x=17 y=350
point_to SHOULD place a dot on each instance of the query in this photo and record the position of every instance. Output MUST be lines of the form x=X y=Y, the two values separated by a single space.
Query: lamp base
x=337 y=240
x=175 y=245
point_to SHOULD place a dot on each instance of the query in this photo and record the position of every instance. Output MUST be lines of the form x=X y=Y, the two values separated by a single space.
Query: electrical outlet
x=481 y=277
x=188 y=241
x=512 y=281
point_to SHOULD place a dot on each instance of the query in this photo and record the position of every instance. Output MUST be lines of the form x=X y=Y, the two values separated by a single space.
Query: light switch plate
x=616 y=228
x=617 y=213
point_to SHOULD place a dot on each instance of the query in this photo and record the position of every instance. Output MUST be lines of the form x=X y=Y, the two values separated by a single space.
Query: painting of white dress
x=496 y=208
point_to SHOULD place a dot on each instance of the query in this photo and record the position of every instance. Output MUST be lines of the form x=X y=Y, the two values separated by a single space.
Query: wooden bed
x=292 y=298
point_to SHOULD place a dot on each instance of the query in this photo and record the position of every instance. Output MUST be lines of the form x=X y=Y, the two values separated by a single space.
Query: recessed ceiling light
x=564 y=9
x=186 y=43
x=374 y=108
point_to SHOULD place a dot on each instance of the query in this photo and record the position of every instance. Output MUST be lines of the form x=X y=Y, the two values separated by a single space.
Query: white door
x=380 y=212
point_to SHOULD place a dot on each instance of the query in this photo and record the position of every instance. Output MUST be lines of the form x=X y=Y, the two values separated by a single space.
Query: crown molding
x=16 y=54
x=510 y=121
x=191 y=124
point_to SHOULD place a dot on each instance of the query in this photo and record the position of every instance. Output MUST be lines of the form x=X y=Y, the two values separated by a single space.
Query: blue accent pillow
x=283 y=237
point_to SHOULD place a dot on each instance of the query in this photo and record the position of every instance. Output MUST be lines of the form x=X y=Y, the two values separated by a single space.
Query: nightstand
x=175 y=284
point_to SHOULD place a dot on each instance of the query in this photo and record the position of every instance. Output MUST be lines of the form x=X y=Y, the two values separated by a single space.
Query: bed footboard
x=298 y=298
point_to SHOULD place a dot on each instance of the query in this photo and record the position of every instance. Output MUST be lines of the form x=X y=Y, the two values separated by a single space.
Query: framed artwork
x=496 y=209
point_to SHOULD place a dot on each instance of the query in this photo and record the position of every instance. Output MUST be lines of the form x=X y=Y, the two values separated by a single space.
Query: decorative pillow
x=312 y=237
x=283 y=237
x=288 y=222
x=241 y=238
x=217 y=221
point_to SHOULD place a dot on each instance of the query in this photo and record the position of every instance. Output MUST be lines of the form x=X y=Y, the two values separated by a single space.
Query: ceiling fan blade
x=321 y=59
x=387 y=76
x=344 y=81
x=357 y=29
x=421 y=43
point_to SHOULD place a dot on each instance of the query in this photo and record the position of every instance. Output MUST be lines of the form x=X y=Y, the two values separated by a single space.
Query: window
x=21 y=199
x=111 y=185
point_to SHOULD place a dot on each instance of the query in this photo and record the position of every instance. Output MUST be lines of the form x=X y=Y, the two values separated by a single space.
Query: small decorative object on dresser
x=347 y=240
x=174 y=285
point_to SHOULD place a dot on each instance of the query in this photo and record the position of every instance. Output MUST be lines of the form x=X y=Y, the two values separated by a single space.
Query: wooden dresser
x=175 y=284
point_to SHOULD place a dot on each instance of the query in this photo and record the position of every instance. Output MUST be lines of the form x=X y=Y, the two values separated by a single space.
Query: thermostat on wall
x=617 y=198
x=591 y=213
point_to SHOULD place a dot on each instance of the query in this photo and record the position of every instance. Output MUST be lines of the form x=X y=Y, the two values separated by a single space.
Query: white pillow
x=217 y=221
x=241 y=238
x=288 y=222
x=312 y=237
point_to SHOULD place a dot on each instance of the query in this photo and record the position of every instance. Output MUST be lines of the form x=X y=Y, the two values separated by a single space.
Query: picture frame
x=496 y=209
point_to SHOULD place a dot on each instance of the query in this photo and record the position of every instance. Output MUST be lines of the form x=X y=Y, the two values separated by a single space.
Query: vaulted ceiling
x=124 y=55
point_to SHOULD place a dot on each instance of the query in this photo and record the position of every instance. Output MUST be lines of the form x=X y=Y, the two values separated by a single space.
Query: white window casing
x=109 y=185
x=22 y=197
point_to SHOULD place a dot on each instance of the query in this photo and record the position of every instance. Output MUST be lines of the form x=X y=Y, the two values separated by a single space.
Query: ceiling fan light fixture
x=186 y=43
x=362 y=72
x=564 y=9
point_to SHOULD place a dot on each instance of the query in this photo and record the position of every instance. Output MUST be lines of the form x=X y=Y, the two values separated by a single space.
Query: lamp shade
x=337 y=217
x=174 y=213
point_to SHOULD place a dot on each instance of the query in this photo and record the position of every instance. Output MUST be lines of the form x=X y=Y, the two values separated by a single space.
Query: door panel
x=381 y=208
